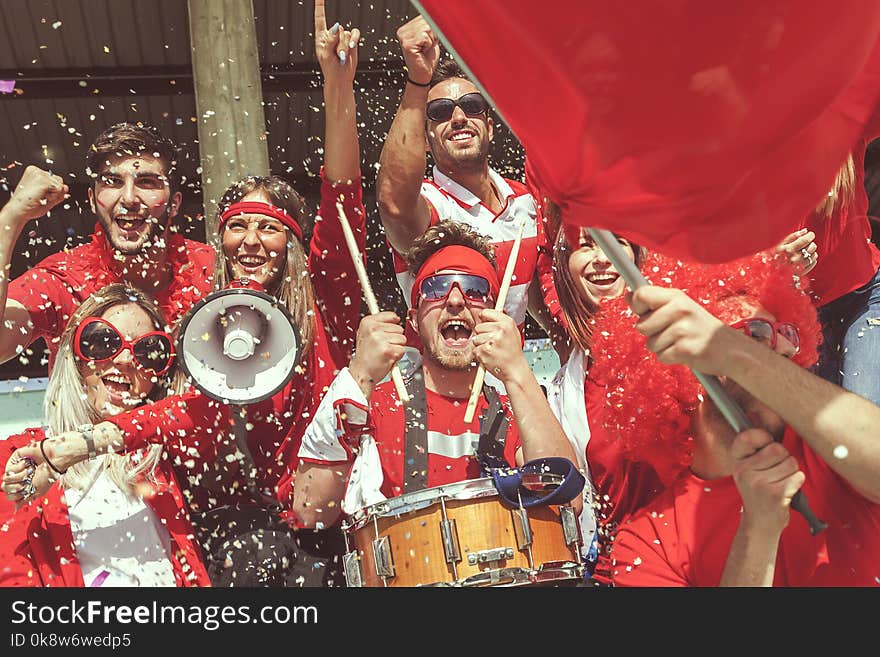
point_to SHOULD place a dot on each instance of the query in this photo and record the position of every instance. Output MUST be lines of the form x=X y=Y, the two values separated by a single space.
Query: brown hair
x=131 y=140
x=577 y=311
x=842 y=191
x=294 y=285
x=447 y=233
x=448 y=68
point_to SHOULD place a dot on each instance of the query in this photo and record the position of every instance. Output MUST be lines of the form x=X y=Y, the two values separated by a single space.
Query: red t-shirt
x=452 y=444
x=276 y=424
x=36 y=541
x=847 y=259
x=54 y=288
x=683 y=538
x=623 y=484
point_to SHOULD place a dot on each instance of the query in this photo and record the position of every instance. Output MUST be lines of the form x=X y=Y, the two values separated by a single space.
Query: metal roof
x=82 y=65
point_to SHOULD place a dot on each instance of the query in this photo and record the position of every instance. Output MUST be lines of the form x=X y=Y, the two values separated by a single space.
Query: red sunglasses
x=768 y=332
x=98 y=340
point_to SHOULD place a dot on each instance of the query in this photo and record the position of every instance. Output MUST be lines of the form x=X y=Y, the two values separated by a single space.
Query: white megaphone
x=239 y=345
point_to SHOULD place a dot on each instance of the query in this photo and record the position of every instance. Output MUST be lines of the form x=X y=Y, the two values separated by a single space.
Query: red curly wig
x=649 y=404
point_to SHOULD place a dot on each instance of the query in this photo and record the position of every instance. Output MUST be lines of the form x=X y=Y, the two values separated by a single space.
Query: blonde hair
x=293 y=287
x=842 y=191
x=66 y=406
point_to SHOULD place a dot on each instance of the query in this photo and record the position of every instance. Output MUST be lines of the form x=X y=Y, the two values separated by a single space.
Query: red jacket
x=36 y=542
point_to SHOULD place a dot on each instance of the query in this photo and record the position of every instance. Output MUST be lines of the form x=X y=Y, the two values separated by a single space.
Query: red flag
x=704 y=130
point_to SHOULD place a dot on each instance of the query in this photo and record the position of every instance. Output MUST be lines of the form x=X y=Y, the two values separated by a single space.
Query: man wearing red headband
x=726 y=519
x=135 y=196
x=399 y=448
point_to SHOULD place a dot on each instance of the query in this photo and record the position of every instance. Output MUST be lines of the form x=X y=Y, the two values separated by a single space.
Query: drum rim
x=468 y=489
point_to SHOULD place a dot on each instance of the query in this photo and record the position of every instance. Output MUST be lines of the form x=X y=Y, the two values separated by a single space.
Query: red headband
x=456 y=258
x=263 y=208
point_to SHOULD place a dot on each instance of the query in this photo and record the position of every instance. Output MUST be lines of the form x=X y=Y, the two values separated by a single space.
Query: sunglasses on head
x=472 y=104
x=472 y=287
x=769 y=332
x=98 y=340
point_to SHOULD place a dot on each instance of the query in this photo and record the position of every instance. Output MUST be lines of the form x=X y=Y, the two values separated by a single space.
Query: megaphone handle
x=372 y=304
x=249 y=468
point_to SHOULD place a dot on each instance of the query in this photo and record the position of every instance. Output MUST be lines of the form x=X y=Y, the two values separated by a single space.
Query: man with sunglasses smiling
x=442 y=112
x=727 y=520
x=135 y=195
x=426 y=443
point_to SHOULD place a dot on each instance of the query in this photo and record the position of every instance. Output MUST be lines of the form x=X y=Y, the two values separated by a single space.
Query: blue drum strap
x=415 y=457
x=508 y=481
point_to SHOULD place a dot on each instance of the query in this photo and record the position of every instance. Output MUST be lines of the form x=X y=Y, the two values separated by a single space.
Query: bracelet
x=418 y=84
x=46 y=458
x=87 y=430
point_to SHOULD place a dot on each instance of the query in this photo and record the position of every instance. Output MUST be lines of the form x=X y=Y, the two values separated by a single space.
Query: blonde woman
x=114 y=519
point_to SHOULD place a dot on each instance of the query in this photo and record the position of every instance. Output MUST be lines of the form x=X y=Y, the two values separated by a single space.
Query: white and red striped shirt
x=447 y=200
x=345 y=417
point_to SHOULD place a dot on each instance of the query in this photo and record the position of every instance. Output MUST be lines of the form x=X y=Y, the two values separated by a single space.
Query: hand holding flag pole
x=729 y=409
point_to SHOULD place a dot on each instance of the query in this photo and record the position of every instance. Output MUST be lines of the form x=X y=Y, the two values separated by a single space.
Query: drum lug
x=451 y=547
x=351 y=565
x=521 y=528
x=382 y=555
x=485 y=556
x=569 y=526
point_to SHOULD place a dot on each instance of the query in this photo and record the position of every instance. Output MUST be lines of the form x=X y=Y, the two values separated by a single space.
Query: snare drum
x=461 y=535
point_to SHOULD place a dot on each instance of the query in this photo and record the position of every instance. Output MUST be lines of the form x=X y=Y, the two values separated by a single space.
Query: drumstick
x=499 y=305
x=372 y=304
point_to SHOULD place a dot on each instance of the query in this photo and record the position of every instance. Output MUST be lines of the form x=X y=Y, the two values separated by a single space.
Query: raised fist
x=421 y=49
x=37 y=192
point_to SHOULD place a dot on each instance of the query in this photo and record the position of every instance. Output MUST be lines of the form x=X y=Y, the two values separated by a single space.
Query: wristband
x=417 y=84
x=87 y=430
x=46 y=458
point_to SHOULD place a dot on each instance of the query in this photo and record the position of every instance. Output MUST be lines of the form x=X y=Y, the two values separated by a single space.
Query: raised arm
x=404 y=213
x=839 y=426
x=333 y=274
x=37 y=192
x=337 y=52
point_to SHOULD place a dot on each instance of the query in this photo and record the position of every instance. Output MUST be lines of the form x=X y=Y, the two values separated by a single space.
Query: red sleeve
x=185 y=424
x=48 y=301
x=337 y=288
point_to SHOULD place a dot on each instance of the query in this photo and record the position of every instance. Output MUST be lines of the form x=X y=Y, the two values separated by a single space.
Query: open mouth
x=462 y=136
x=251 y=263
x=456 y=333
x=130 y=224
x=603 y=280
x=118 y=390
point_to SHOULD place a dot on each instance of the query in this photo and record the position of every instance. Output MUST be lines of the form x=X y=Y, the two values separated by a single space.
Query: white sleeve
x=340 y=420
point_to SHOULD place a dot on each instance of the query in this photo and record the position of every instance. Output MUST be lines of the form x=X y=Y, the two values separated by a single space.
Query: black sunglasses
x=441 y=109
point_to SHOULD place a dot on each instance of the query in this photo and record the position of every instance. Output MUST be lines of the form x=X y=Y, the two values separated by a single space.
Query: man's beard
x=156 y=226
x=453 y=360
x=463 y=162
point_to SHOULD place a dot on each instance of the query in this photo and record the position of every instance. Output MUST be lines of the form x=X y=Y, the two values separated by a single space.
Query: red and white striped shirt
x=447 y=200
